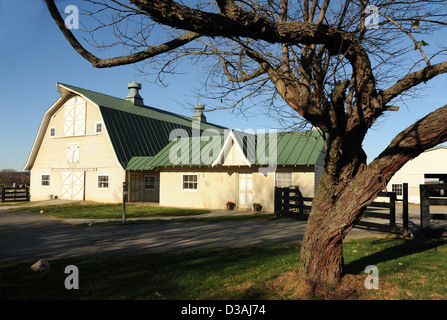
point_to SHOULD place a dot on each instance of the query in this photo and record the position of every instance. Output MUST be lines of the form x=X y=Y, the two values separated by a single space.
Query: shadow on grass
x=407 y=247
x=217 y=273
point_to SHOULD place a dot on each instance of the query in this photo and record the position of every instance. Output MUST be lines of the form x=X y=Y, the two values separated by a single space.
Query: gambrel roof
x=133 y=130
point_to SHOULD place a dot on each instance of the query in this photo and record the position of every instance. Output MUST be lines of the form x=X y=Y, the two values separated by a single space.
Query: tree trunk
x=338 y=205
x=322 y=248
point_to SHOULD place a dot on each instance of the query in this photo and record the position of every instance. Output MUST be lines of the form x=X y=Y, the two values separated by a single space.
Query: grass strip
x=408 y=269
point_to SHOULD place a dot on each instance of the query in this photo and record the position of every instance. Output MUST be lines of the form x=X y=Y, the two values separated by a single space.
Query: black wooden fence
x=431 y=195
x=290 y=202
x=390 y=204
x=14 y=194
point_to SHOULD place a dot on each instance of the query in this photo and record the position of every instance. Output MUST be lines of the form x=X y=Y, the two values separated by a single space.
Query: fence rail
x=14 y=194
x=290 y=202
x=427 y=198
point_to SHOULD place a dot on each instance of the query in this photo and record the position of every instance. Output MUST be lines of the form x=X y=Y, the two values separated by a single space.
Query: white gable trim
x=41 y=132
x=227 y=144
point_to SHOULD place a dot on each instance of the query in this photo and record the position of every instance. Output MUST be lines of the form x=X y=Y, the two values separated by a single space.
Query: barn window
x=103 y=181
x=284 y=179
x=397 y=188
x=52 y=132
x=98 y=127
x=190 y=181
x=45 y=180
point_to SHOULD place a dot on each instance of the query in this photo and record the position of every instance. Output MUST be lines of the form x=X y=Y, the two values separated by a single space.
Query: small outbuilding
x=427 y=168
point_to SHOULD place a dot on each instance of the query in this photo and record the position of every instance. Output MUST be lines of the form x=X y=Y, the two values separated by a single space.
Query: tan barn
x=233 y=169
x=429 y=167
x=89 y=143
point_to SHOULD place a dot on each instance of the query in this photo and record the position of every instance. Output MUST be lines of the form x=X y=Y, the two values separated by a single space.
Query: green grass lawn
x=108 y=211
x=408 y=269
x=19 y=203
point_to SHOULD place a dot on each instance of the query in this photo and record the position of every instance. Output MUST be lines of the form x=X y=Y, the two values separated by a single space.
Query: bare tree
x=9 y=177
x=326 y=60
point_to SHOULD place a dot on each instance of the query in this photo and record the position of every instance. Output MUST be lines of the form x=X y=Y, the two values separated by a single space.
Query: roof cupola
x=134 y=95
x=199 y=116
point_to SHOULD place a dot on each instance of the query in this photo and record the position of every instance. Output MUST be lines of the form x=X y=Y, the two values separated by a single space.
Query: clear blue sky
x=34 y=56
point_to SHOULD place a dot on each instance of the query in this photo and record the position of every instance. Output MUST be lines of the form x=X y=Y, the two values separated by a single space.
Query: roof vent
x=199 y=116
x=133 y=95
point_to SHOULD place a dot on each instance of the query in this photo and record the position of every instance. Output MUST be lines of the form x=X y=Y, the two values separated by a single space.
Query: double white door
x=73 y=185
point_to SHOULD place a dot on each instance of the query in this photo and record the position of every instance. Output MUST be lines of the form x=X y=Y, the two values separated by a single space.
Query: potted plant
x=257 y=207
x=230 y=205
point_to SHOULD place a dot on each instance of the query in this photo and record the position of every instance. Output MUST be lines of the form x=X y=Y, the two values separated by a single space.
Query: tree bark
x=330 y=220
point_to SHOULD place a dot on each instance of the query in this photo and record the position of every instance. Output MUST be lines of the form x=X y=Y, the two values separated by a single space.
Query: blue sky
x=34 y=56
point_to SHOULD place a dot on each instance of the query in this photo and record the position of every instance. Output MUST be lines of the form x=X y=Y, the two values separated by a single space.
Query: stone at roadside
x=41 y=265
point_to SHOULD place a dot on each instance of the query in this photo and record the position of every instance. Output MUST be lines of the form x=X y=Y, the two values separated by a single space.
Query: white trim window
x=52 y=132
x=103 y=181
x=45 y=180
x=73 y=153
x=398 y=188
x=284 y=179
x=98 y=127
x=190 y=182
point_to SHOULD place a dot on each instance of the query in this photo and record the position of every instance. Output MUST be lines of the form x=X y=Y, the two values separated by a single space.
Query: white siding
x=433 y=161
x=76 y=150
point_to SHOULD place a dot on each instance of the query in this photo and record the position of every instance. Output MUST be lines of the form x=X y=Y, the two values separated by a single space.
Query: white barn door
x=74 y=124
x=245 y=190
x=73 y=185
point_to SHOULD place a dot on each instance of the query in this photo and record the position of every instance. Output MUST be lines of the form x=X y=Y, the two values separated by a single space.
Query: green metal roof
x=137 y=131
x=292 y=148
x=139 y=163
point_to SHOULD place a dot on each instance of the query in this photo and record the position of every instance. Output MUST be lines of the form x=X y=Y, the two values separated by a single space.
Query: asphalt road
x=25 y=236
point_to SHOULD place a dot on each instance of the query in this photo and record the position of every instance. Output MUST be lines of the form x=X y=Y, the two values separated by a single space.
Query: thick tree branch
x=293 y=92
x=413 y=79
x=239 y=23
x=371 y=179
x=117 y=61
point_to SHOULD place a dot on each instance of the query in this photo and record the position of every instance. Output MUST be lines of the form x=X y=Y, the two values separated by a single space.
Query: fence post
x=3 y=194
x=276 y=202
x=392 y=196
x=405 y=208
x=425 y=208
x=125 y=193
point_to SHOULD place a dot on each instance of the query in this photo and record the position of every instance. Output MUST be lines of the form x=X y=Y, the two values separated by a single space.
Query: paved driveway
x=31 y=236
x=28 y=236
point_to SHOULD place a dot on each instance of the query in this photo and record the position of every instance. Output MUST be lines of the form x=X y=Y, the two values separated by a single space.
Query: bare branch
x=413 y=79
x=117 y=61
x=417 y=45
